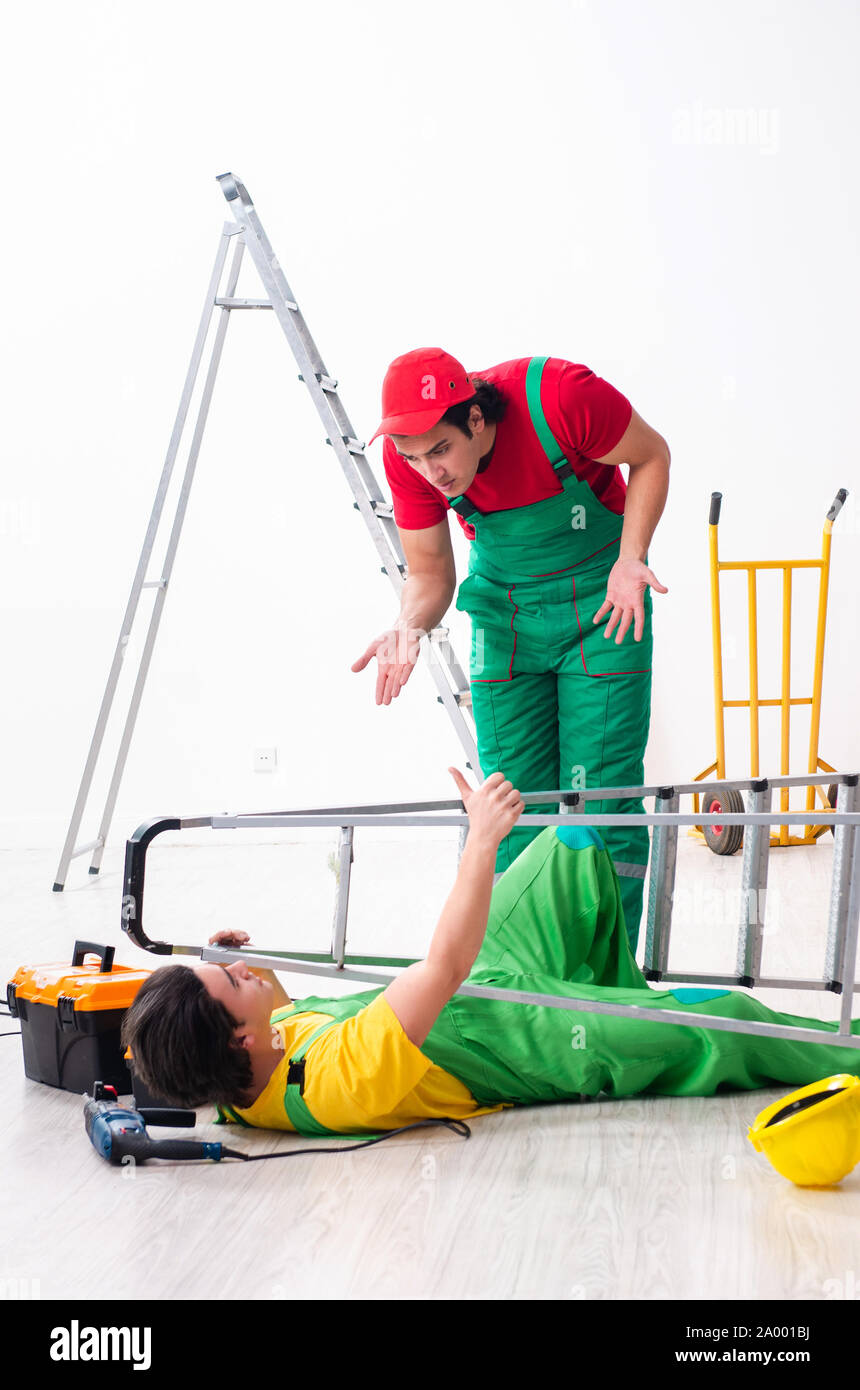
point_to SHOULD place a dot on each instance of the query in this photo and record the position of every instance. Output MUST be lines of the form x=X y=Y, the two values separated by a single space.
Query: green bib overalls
x=556 y=927
x=556 y=704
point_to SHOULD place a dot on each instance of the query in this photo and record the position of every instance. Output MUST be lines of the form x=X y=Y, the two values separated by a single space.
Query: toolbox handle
x=105 y=954
x=716 y=499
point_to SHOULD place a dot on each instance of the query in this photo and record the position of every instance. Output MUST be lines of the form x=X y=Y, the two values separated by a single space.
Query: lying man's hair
x=182 y=1042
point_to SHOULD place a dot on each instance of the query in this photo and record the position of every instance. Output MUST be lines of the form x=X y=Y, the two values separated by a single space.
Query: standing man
x=527 y=454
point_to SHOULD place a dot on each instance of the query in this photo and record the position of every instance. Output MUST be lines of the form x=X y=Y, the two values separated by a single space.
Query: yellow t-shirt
x=362 y=1074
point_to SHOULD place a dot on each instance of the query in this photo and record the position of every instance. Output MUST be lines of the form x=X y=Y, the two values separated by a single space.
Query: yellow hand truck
x=727 y=839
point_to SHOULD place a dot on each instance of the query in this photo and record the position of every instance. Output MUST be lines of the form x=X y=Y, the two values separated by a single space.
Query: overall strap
x=464 y=507
x=345 y=1007
x=549 y=443
x=298 y=1113
x=296 y=1109
x=223 y=1112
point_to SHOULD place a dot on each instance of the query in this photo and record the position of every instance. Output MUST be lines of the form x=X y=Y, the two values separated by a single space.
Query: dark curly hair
x=493 y=404
x=182 y=1042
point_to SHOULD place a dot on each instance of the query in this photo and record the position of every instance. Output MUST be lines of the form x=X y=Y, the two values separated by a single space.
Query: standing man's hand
x=628 y=580
x=396 y=652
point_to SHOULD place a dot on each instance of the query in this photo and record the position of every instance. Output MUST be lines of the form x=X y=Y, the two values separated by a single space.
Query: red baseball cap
x=418 y=389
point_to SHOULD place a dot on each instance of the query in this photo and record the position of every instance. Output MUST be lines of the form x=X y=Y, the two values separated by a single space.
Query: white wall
x=562 y=178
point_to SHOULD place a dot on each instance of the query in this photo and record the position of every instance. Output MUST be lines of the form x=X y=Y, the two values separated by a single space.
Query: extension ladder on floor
x=451 y=683
x=839 y=973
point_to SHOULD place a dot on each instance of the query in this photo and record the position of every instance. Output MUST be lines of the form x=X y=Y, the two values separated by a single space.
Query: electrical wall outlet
x=265 y=759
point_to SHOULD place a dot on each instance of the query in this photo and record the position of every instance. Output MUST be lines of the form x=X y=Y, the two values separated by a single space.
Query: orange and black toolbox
x=71 y=1018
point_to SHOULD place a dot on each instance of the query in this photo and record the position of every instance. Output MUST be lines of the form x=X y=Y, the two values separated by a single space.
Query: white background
x=665 y=191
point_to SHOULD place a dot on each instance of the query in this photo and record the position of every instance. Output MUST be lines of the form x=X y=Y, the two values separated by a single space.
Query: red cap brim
x=418 y=422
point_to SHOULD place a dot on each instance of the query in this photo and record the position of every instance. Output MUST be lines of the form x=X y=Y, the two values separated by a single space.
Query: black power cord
x=458 y=1126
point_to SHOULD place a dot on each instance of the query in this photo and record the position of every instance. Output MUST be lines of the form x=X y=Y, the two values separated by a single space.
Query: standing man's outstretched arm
x=647 y=454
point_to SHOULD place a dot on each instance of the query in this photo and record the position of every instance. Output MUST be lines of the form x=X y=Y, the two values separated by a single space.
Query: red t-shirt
x=587 y=416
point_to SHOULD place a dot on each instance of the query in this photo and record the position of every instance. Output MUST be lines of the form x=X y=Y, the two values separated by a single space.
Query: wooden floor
x=649 y=1198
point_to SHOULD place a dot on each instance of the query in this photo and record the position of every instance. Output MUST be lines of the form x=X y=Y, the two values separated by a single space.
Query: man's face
x=243 y=994
x=444 y=455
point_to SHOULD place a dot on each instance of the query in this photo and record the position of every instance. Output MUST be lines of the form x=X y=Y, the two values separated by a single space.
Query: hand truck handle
x=714 y=516
x=837 y=504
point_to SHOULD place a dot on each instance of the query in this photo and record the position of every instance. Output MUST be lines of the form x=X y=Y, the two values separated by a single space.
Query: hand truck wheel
x=723 y=839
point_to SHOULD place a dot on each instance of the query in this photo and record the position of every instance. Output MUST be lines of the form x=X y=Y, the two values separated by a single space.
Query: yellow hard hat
x=812 y=1136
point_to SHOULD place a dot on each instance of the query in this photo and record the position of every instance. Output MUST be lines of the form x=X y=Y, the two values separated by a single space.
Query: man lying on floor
x=553 y=924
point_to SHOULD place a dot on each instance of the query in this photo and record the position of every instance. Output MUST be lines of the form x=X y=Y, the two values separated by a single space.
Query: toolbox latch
x=66 y=1013
x=12 y=999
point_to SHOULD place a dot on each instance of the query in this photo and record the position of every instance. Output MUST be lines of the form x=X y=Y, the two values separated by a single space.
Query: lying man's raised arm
x=421 y=991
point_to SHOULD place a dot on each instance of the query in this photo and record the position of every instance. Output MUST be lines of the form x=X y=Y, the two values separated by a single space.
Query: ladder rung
x=154 y=584
x=85 y=849
x=328 y=383
x=248 y=304
x=382 y=509
x=354 y=445
x=463 y=697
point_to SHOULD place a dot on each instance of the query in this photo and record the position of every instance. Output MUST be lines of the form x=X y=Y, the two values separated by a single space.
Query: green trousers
x=576 y=713
x=556 y=926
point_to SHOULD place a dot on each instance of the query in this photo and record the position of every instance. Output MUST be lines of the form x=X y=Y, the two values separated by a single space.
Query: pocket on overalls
x=601 y=655
x=493 y=611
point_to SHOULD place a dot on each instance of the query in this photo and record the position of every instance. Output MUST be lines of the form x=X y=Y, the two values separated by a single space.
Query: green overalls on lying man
x=556 y=927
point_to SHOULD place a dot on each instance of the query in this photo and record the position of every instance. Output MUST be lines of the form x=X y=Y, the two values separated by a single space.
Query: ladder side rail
x=530 y=799
x=312 y=370
x=849 y=957
x=439 y=639
x=843 y=837
x=170 y=555
x=67 y=852
x=661 y=887
x=290 y=818
x=554 y=1001
x=345 y=860
x=331 y=411
x=311 y=365
x=753 y=888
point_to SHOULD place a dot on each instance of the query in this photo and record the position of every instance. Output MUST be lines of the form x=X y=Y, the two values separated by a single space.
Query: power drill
x=118 y=1133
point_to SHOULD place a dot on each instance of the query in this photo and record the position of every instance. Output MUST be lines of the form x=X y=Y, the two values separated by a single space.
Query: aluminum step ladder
x=377 y=513
x=840 y=962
